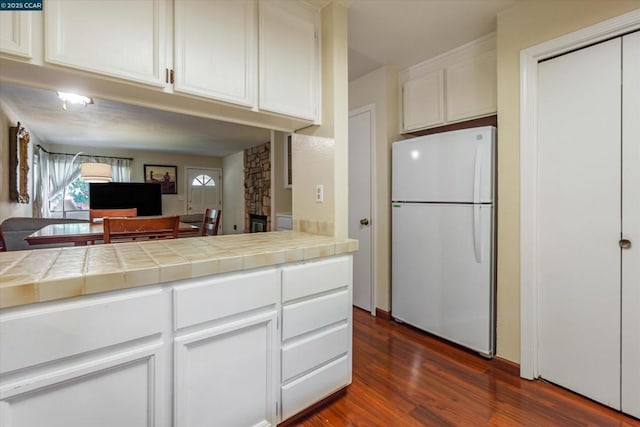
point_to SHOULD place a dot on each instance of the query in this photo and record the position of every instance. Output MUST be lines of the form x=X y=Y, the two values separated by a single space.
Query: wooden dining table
x=80 y=233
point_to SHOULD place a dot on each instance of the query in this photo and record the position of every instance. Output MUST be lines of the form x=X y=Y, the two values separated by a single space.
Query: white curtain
x=40 y=181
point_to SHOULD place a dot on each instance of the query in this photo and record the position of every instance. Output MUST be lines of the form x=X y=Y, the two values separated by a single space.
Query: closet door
x=631 y=225
x=579 y=230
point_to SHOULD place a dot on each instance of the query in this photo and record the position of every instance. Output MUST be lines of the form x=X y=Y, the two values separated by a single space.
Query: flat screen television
x=146 y=197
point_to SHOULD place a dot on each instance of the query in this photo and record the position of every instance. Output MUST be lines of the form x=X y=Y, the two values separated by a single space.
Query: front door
x=203 y=190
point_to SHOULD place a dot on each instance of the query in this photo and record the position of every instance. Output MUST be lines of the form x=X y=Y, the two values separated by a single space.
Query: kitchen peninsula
x=226 y=330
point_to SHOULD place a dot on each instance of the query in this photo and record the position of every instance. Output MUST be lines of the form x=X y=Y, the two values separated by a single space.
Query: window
x=77 y=197
x=203 y=180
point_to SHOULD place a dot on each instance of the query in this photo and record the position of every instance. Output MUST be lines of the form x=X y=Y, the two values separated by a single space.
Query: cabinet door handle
x=625 y=243
x=364 y=221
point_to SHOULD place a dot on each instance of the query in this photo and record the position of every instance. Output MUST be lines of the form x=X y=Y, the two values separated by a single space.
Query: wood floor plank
x=404 y=377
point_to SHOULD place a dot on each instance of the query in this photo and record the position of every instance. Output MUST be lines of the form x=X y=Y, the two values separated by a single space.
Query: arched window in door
x=203 y=180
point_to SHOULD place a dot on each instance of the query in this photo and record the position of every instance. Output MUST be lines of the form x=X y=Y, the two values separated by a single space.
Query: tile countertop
x=47 y=274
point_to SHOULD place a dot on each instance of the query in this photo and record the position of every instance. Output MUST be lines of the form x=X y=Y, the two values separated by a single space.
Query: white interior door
x=631 y=225
x=203 y=190
x=360 y=195
x=579 y=221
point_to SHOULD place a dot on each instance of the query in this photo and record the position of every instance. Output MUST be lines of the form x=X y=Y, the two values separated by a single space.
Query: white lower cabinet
x=225 y=350
x=211 y=351
x=316 y=332
x=90 y=362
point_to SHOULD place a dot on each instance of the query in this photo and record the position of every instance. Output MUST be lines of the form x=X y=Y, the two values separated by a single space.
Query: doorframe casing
x=371 y=108
x=529 y=166
x=186 y=185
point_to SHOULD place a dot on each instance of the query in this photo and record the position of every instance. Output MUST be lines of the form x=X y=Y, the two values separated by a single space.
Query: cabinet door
x=15 y=33
x=111 y=37
x=124 y=389
x=289 y=58
x=215 y=49
x=225 y=375
x=423 y=104
x=472 y=88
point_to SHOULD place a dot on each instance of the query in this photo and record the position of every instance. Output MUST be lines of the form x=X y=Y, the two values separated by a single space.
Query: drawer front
x=312 y=278
x=304 y=392
x=304 y=355
x=40 y=334
x=309 y=315
x=217 y=298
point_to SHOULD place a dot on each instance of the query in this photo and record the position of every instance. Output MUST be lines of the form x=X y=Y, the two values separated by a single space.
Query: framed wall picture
x=18 y=164
x=166 y=175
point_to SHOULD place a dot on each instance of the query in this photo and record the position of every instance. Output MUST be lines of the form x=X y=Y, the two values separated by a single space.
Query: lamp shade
x=95 y=172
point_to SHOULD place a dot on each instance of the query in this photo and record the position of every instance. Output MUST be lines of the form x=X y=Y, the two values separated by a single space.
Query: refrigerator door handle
x=477 y=174
x=477 y=234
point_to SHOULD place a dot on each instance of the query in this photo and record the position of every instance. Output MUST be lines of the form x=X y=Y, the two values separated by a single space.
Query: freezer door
x=454 y=167
x=442 y=271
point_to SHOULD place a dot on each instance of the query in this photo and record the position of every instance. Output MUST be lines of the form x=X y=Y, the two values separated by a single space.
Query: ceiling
x=381 y=32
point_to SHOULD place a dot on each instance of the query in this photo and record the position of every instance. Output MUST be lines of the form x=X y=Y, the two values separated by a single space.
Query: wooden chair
x=140 y=228
x=210 y=222
x=106 y=213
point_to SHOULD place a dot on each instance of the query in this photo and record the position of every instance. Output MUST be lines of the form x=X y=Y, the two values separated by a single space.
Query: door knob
x=625 y=244
x=364 y=221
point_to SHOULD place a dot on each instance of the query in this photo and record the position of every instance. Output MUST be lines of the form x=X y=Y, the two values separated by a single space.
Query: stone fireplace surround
x=257 y=185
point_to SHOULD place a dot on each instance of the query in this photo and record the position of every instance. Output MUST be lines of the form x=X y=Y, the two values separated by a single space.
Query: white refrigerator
x=443 y=236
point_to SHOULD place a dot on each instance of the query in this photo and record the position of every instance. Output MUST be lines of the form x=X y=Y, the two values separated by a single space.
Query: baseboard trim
x=381 y=314
x=506 y=365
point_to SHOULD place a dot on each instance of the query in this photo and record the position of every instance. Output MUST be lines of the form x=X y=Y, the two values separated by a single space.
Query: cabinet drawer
x=314 y=314
x=312 y=278
x=306 y=354
x=39 y=334
x=211 y=299
x=311 y=388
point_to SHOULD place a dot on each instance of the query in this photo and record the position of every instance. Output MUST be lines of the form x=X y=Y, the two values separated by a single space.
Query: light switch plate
x=319 y=193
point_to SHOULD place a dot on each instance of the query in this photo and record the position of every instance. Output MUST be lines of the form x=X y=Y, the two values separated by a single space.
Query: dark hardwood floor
x=404 y=377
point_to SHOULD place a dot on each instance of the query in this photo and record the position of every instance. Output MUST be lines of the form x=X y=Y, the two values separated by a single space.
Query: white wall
x=8 y=208
x=233 y=193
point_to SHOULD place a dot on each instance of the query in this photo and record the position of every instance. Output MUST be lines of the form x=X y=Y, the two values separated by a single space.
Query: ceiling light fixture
x=73 y=98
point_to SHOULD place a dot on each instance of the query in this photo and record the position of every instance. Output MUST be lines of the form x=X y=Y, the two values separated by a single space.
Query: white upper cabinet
x=456 y=86
x=423 y=101
x=216 y=49
x=472 y=87
x=110 y=37
x=289 y=58
x=15 y=33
